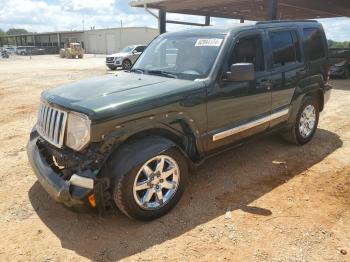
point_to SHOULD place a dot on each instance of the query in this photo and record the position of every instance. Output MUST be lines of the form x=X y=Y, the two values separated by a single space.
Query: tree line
x=335 y=44
x=13 y=31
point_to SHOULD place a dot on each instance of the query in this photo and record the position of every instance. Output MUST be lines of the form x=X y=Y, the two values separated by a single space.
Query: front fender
x=175 y=123
x=130 y=154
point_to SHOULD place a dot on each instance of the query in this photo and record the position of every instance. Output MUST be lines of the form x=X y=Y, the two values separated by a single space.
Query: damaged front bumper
x=74 y=192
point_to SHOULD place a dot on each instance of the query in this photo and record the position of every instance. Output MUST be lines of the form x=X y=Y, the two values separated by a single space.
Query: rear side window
x=313 y=44
x=285 y=48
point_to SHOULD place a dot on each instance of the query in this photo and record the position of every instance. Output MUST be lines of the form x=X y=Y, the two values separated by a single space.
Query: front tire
x=113 y=68
x=305 y=126
x=151 y=189
x=127 y=64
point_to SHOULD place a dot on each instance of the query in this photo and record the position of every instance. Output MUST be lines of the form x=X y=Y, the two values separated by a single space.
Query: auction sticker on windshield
x=209 y=42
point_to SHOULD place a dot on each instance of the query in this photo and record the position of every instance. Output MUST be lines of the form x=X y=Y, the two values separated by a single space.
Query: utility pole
x=120 y=35
x=83 y=23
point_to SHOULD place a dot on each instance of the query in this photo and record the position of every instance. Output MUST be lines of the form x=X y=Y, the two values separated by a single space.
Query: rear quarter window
x=313 y=44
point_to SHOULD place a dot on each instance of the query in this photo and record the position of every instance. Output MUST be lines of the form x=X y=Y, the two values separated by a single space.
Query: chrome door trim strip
x=250 y=125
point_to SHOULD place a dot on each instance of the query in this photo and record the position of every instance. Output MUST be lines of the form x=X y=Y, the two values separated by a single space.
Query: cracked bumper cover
x=59 y=189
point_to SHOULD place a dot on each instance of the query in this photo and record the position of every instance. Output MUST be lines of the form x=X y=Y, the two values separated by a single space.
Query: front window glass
x=127 y=49
x=249 y=50
x=140 y=48
x=180 y=56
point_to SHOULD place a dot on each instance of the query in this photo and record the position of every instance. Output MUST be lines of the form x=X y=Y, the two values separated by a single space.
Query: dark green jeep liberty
x=129 y=139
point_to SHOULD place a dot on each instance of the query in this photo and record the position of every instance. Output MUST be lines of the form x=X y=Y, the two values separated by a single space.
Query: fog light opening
x=92 y=200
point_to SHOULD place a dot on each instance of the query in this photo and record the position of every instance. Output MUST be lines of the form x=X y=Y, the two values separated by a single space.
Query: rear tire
x=305 y=125
x=147 y=191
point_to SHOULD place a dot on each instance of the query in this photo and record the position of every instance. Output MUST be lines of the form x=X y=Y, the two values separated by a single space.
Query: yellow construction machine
x=74 y=50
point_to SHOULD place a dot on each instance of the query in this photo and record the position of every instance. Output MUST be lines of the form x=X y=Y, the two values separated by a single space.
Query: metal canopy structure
x=255 y=10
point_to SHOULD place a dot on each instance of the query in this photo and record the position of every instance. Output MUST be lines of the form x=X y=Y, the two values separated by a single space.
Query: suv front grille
x=51 y=124
x=109 y=59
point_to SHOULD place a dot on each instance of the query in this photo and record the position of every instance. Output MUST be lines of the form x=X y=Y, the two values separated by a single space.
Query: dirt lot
x=264 y=201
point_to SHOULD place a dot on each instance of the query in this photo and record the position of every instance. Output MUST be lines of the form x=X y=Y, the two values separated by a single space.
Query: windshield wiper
x=162 y=73
x=137 y=70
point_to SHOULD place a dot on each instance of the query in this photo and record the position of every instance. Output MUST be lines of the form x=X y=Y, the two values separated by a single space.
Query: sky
x=53 y=15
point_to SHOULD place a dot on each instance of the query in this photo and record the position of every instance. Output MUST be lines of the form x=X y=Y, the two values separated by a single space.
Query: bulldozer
x=74 y=50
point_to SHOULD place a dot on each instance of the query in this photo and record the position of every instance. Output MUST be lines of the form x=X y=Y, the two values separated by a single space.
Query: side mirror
x=241 y=72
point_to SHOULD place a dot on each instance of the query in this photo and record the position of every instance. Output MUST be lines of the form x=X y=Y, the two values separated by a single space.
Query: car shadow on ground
x=231 y=180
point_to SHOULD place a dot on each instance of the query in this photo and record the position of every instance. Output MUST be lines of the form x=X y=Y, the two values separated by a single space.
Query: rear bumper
x=59 y=189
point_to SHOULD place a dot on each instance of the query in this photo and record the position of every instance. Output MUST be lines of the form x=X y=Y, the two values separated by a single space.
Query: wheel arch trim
x=311 y=90
x=129 y=154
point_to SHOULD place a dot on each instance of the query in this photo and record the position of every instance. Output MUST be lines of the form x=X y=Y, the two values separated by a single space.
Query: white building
x=96 y=41
x=108 y=41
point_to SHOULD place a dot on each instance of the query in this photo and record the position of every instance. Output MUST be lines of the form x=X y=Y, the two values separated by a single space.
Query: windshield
x=180 y=56
x=127 y=49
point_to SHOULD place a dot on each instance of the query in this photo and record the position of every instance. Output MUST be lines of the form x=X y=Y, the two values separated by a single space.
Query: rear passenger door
x=287 y=68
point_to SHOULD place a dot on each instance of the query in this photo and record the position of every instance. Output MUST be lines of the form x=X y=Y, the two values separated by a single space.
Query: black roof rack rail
x=285 y=21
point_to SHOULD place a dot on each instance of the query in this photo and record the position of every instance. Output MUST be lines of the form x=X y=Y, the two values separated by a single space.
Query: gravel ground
x=264 y=201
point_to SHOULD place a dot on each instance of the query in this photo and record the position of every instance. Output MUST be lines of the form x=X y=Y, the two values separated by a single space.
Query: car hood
x=113 y=96
x=118 y=55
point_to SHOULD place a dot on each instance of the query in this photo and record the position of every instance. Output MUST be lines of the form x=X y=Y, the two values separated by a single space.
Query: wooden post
x=207 y=20
x=273 y=6
x=162 y=22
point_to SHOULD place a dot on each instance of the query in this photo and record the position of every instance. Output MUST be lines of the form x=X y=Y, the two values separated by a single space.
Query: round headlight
x=78 y=131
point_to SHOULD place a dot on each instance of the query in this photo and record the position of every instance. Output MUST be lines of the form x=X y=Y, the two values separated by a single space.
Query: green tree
x=334 y=44
x=16 y=31
x=2 y=33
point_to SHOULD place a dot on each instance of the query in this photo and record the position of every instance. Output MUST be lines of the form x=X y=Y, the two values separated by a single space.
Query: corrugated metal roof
x=256 y=10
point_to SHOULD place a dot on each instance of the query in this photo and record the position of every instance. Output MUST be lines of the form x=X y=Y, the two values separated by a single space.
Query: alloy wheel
x=307 y=121
x=156 y=182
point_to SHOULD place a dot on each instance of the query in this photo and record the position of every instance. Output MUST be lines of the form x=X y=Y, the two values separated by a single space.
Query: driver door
x=240 y=109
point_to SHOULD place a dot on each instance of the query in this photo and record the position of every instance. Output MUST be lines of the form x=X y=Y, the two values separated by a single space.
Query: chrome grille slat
x=51 y=124
x=42 y=115
x=44 y=122
x=55 y=136
x=47 y=121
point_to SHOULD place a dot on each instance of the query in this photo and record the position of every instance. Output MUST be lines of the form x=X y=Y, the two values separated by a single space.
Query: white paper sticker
x=209 y=42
